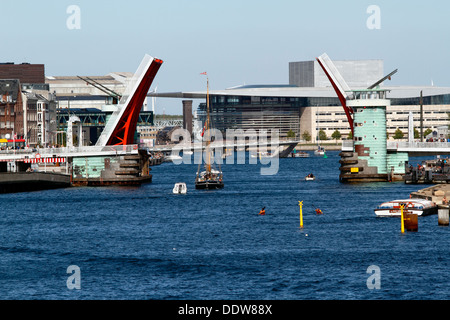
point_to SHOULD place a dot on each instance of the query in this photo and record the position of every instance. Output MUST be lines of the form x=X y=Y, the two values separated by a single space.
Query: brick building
x=25 y=72
x=11 y=108
x=27 y=108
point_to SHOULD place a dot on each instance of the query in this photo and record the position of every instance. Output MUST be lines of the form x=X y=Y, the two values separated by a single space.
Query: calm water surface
x=147 y=243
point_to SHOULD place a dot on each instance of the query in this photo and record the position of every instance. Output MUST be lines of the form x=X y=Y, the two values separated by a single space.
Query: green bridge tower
x=366 y=158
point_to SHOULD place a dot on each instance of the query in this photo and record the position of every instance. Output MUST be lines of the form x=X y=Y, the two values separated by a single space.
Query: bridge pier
x=131 y=169
x=367 y=158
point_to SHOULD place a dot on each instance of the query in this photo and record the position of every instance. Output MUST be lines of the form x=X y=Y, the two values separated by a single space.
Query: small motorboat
x=180 y=188
x=299 y=154
x=310 y=177
x=420 y=207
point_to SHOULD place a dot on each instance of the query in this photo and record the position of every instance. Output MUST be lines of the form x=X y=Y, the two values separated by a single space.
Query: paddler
x=263 y=211
x=318 y=211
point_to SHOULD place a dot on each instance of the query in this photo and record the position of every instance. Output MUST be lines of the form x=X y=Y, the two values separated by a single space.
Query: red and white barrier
x=46 y=160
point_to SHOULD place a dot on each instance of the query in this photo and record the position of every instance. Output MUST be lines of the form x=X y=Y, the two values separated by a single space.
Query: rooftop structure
x=82 y=92
x=24 y=72
x=358 y=73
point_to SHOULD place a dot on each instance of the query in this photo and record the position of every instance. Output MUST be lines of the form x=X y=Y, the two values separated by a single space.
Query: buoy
x=402 y=218
x=411 y=222
x=300 y=203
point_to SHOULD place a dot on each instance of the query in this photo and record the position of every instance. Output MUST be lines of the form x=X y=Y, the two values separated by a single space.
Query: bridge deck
x=414 y=149
x=91 y=151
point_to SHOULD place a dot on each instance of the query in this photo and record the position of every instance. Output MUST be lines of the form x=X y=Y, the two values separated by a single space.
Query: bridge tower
x=369 y=138
x=121 y=125
x=367 y=159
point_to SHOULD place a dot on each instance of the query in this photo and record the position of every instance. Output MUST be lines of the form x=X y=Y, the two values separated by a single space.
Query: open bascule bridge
x=369 y=156
x=114 y=160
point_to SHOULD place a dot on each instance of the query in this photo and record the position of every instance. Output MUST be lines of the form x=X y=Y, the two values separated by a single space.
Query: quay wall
x=32 y=181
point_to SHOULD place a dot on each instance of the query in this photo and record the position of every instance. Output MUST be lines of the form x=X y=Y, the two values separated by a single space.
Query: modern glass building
x=93 y=121
x=259 y=112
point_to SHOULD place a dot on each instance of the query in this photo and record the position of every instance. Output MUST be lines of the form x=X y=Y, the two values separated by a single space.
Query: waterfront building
x=358 y=73
x=88 y=91
x=28 y=109
x=39 y=113
x=92 y=122
x=11 y=109
x=92 y=99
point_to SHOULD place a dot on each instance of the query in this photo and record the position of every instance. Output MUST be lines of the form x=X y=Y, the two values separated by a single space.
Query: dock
x=428 y=172
x=437 y=193
x=434 y=193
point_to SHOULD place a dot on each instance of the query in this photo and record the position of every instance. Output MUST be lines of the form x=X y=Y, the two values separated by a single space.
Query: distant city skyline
x=236 y=42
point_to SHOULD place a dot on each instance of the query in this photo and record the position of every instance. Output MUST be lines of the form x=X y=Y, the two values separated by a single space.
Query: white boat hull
x=420 y=207
x=180 y=188
x=397 y=212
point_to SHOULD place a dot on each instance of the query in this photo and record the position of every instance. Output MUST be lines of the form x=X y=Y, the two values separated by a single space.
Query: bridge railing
x=395 y=145
x=347 y=145
x=45 y=152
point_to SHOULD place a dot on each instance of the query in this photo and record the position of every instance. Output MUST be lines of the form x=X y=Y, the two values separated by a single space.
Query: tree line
x=336 y=135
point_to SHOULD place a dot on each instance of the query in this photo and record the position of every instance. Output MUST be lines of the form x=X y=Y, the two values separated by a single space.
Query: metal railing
x=395 y=145
x=347 y=145
x=45 y=152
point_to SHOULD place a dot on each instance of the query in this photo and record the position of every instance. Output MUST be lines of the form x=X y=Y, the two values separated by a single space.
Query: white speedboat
x=299 y=154
x=420 y=207
x=310 y=177
x=320 y=151
x=180 y=188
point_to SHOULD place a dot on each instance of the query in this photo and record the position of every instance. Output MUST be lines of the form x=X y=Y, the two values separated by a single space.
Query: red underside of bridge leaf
x=123 y=134
x=348 y=111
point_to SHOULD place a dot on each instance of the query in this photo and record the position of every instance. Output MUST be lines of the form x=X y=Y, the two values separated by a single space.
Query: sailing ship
x=210 y=178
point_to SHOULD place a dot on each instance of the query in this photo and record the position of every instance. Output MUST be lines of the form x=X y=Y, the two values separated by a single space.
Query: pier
x=440 y=195
x=32 y=181
x=94 y=165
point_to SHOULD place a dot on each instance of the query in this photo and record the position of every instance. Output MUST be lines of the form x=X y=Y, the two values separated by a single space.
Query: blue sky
x=236 y=42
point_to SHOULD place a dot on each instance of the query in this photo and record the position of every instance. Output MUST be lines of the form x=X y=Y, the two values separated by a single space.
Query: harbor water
x=148 y=243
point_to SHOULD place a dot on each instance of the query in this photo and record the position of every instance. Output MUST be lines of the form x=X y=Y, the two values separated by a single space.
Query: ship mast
x=208 y=138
